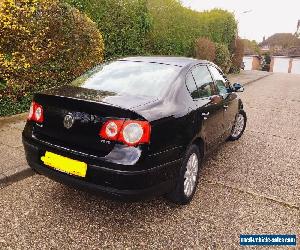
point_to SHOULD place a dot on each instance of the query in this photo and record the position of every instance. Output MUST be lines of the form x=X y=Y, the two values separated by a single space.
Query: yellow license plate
x=64 y=164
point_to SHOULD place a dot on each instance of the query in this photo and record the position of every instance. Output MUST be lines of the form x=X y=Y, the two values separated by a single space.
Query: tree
x=237 y=57
x=251 y=47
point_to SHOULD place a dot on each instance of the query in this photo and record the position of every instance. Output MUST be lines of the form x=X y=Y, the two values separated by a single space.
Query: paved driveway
x=248 y=186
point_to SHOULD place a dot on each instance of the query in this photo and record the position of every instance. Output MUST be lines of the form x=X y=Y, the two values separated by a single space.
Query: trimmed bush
x=205 y=49
x=222 y=57
x=43 y=44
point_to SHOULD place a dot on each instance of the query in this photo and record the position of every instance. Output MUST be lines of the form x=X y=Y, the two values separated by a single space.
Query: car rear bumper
x=129 y=185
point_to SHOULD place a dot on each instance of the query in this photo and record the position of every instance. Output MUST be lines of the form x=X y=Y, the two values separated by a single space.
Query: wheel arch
x=200 y=143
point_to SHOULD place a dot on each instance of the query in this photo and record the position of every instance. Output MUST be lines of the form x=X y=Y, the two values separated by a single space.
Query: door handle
x=205 y=115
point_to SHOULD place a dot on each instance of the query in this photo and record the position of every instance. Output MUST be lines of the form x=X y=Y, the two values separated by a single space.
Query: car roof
x=168 y=60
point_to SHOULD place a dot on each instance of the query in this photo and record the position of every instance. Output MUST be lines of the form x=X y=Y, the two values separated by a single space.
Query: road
x=249 y=186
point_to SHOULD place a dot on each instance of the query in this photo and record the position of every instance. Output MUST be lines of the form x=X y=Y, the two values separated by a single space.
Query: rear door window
x=203 y=81
x=191 y=86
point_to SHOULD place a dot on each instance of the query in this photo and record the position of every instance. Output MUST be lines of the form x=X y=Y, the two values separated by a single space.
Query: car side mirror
x=237 y=87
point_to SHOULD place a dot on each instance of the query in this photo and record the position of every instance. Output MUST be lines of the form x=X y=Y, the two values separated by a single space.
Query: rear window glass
x=126 y=77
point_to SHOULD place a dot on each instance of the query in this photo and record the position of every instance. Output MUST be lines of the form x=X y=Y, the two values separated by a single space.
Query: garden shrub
x=222 y=57
x=43 y=44
x=205 y=49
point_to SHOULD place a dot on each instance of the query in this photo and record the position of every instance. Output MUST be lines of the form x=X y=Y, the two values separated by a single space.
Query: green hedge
x=124 y=24
x=155 y=27
x=175 y=28
x=219 y=26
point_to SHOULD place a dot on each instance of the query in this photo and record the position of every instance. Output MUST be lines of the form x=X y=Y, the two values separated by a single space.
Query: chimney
x=298 y=29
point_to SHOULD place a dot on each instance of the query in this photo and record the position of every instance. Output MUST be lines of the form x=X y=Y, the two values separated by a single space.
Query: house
x=278 y=42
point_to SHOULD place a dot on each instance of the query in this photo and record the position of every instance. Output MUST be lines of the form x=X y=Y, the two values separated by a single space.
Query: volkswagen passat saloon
x=134 y=127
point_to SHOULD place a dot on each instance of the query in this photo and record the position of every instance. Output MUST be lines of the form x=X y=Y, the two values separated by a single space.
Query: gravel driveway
x=249 y=186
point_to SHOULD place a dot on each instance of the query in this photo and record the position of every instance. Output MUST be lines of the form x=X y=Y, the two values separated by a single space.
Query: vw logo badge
x=68 y=121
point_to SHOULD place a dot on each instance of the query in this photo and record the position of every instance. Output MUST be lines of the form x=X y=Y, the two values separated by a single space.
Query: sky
x=256 y=18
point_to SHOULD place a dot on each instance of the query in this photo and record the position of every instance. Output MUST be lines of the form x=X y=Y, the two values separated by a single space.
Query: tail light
x=36 y=112
x=128 y=132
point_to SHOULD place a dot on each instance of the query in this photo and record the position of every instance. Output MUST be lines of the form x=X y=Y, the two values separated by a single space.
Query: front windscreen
x=127 y=77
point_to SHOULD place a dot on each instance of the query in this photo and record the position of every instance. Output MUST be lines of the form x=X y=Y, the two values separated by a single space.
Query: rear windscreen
x=126 y=77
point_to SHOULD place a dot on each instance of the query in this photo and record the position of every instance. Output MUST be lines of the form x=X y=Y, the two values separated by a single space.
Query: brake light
x=36 y=112
x=111 y=129
x=129 y=132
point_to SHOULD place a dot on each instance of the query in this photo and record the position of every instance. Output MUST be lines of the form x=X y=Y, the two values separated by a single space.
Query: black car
x=134 y=127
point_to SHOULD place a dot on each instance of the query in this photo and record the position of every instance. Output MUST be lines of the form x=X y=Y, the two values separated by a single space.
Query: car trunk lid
x=89 y=109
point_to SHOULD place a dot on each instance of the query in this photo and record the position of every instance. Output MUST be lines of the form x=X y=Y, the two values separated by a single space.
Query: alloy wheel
x=190 y=175
x=238 y=126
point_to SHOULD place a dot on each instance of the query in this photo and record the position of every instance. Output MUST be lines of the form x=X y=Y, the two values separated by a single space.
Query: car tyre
x=188 y=177
x=239 y=126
